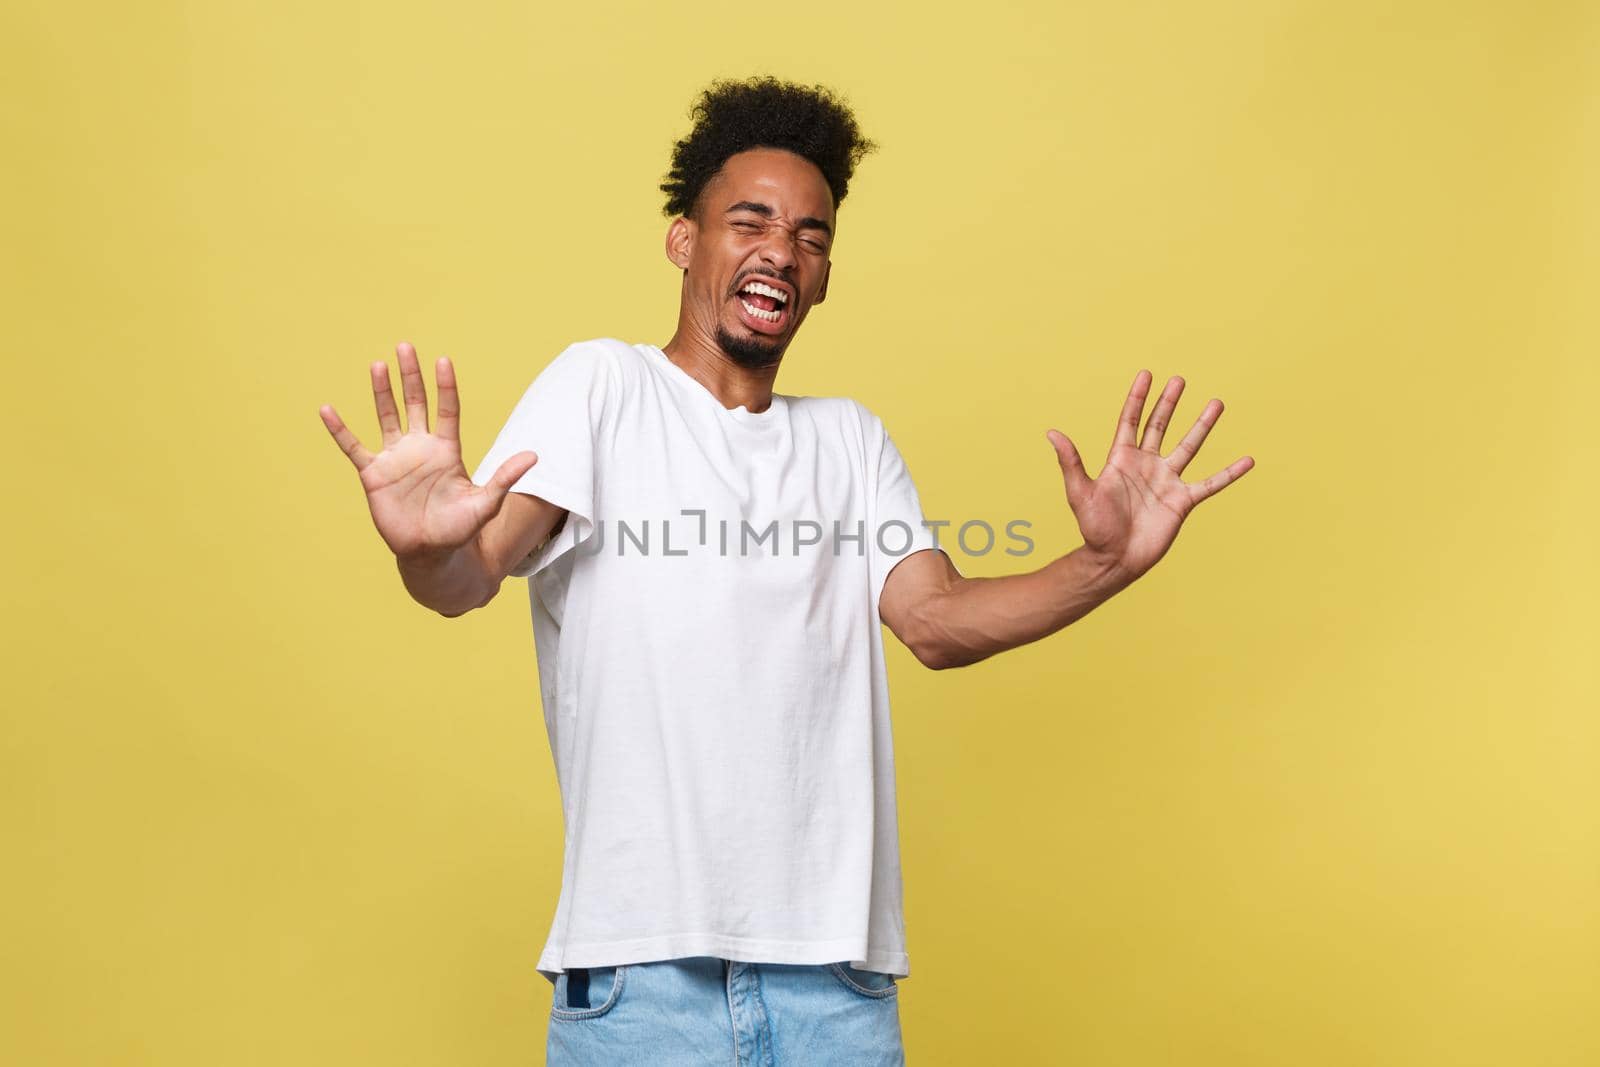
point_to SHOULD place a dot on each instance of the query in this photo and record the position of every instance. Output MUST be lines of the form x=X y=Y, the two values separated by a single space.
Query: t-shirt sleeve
x=897 y=529
x=559 y=417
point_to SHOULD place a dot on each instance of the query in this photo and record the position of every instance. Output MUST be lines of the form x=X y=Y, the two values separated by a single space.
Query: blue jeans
x=701 y=1010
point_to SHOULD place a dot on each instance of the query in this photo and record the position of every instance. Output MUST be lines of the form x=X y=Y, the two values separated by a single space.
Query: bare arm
x=1129 y=517
x=948 y=620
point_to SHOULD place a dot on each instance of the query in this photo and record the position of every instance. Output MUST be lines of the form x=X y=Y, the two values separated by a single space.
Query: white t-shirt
x=711 y=663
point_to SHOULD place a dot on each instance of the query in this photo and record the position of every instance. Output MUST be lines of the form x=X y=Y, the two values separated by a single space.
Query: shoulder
x=605 y=363
x=606 y=355
x=865 y=414
x=847 y=413
x=844 y=420
x=872 y=428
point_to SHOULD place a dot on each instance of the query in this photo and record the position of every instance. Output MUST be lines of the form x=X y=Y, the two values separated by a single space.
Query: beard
x=752 y=352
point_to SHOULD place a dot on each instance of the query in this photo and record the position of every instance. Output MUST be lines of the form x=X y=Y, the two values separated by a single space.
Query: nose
x=777 y=251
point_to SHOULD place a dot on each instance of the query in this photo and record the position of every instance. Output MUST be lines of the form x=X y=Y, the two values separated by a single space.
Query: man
x=718 y=713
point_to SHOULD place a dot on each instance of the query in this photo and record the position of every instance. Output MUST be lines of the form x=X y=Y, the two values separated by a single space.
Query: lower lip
x=762 y=325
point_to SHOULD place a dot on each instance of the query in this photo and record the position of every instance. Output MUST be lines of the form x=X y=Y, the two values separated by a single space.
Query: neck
x=731 y=383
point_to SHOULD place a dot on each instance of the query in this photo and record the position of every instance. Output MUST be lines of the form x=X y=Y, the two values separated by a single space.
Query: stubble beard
x=752 y=352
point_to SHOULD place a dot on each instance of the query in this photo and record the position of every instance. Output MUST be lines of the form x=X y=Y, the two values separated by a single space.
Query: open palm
x=1132 y=512
x=422 y=500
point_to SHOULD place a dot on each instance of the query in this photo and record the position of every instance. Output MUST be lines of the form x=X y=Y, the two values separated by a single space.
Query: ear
x=680 y=241
x=822 y=293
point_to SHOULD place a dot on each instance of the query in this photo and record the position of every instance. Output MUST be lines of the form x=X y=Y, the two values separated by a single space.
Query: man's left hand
x=1130 y=515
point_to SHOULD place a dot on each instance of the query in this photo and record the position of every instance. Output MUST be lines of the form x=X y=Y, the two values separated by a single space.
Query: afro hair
x=763 y=112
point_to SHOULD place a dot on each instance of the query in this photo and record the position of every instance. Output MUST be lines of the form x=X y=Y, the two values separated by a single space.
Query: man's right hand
x=422 y=499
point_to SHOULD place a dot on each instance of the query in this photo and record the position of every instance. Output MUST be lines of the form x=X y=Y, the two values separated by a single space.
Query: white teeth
x=766 y=290
x=769 y=316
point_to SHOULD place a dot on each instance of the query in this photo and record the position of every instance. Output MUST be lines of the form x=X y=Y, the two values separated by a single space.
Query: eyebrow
x=766 y=212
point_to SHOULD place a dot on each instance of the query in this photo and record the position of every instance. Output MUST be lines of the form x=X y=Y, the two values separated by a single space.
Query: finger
x=506 y=476
x=383 y=399
x=449 y=403
x=413 y=388
x=1221 y=479
x=1197 y=433
x=1156 y=428
x=1132 y=408
x=344 y=438
x=1073 y=476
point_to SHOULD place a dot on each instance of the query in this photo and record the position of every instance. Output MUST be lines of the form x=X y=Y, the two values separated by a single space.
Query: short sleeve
x=559 y=417
x=897 y=529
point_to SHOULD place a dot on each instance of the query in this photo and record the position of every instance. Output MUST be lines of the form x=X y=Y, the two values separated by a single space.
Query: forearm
x=451 y=584
x=976 y=617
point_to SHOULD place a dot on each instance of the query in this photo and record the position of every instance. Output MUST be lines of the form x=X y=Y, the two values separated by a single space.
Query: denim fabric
x=702 y=1011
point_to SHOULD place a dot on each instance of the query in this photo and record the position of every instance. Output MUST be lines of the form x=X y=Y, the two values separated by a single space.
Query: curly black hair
x=763 y=112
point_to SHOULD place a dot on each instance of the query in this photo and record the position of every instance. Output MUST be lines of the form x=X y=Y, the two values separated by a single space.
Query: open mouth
x=766 y=307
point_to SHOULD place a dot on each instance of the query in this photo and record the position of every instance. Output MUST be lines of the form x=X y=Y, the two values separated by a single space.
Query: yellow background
x=1321 y=789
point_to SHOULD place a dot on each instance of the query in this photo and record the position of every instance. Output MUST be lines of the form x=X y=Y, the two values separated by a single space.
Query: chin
x=751 y=350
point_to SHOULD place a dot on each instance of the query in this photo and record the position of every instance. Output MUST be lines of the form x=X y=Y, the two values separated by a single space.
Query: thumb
x=506 y=476
x=1073 y=475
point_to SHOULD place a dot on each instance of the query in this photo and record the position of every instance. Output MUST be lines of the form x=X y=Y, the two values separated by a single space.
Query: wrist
x=429 y=558
x=450 y=581
x=1102 y=570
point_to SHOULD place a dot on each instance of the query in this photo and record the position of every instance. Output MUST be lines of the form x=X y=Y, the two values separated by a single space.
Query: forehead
x=792 y=184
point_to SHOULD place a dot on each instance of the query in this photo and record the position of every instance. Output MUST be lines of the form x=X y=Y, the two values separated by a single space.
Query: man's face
x=765 y=219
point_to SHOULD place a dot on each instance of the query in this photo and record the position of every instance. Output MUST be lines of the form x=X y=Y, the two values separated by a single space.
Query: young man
x=709 y=562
